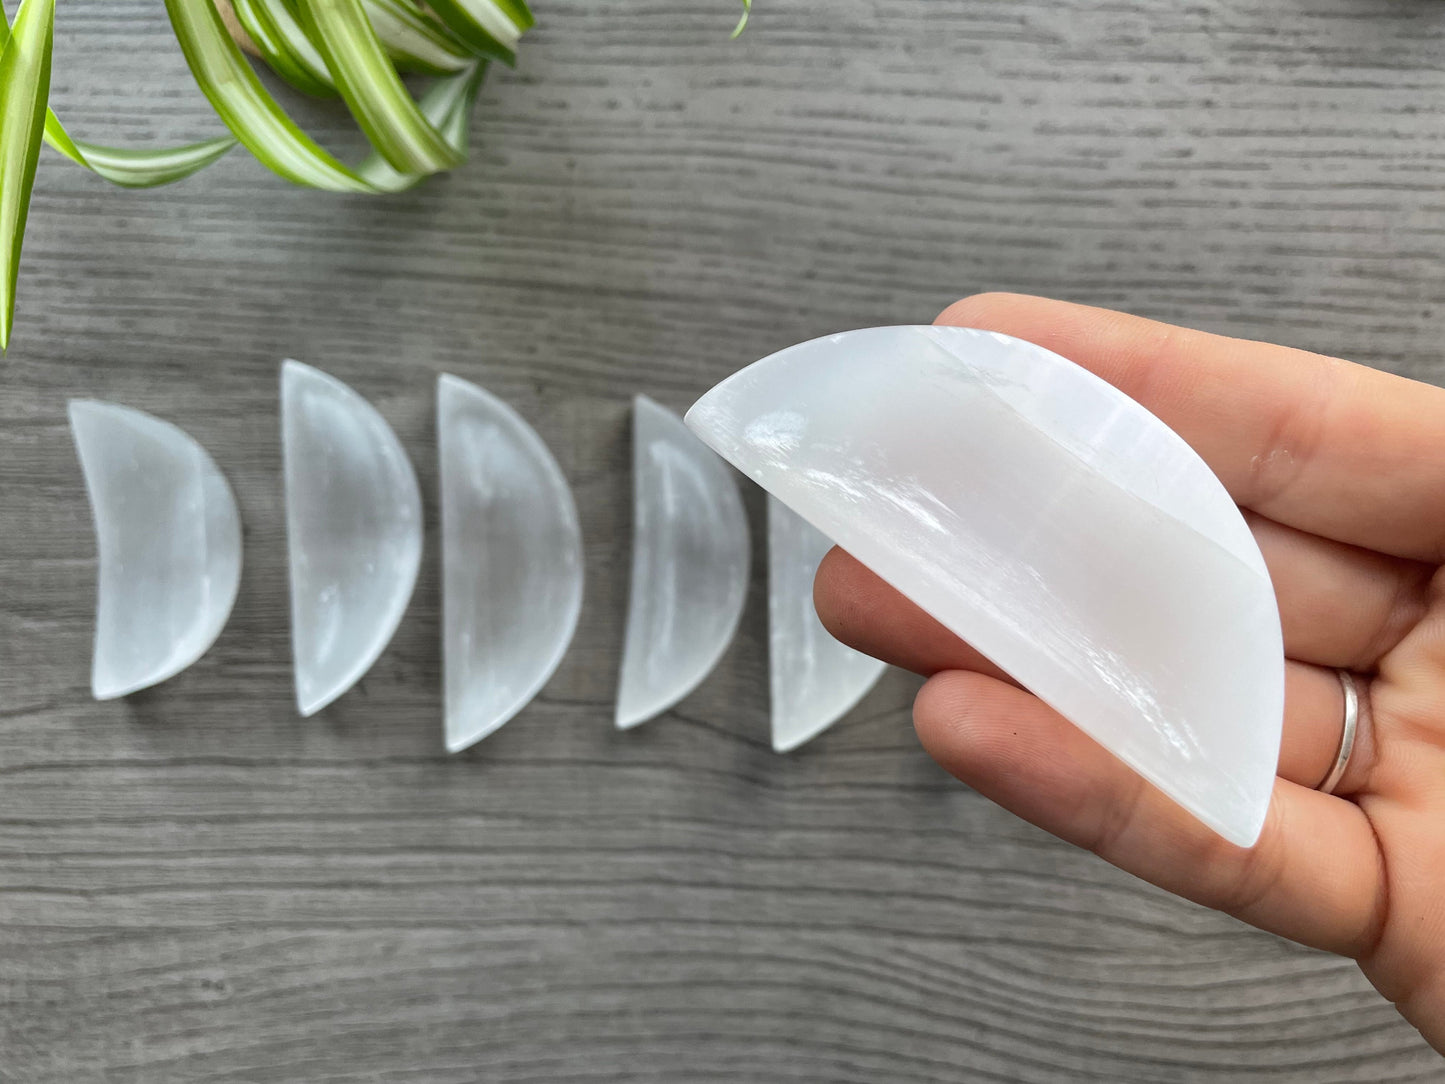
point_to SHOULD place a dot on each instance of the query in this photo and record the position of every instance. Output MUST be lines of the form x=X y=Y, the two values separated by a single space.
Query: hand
x=1340 y=470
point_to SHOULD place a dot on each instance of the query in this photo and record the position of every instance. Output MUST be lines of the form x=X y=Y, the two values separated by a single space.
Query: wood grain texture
x=197 y=885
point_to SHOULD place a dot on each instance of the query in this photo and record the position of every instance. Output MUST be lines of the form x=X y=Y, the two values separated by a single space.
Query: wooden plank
x=197 y=885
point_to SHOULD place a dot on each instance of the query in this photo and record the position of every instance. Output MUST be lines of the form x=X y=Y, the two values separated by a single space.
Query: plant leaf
x=518 y=12
x=482 y=24
x=371 y=87
x=415 y=42
x=743 y=22
x=24 y=88
x=247 y=109
x=124 y=167
x=284 y=45
x=448 y=105
x=136 y=168
x=264 y=128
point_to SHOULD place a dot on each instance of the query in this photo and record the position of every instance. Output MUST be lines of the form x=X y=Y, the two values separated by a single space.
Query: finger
x=1340 y=605
x=1314 y=726
x=1314 y=875
x=865 y=613
x=1332 y=448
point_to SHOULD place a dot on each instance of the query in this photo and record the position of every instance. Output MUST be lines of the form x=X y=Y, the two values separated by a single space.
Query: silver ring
x=1347 y=739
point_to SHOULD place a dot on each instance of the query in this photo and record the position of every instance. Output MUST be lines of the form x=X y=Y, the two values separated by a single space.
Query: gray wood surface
x=195 y=884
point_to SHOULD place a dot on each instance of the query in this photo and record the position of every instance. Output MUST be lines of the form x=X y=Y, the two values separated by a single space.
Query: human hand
x=1340 y=471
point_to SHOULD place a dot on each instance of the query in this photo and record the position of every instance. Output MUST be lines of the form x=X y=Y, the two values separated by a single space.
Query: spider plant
x=357 y=50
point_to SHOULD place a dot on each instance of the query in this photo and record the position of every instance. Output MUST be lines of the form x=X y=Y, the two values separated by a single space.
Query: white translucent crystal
x=690 y=554
x=1048 y=520
x=353 y=529
x=815 y=680
x=169 y=541
x=511 y=561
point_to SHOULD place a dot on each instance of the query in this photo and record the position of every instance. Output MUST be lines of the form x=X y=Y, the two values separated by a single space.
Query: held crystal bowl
x=1048 y=520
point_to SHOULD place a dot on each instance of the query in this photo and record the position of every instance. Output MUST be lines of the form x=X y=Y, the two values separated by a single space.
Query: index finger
x=1330 y=447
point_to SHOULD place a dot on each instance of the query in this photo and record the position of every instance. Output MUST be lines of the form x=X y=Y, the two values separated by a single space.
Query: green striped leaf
x=448 y=104
x=483 y=25
x=415 y=42
x=743 y=22
x=129 y=168
x=284 y=45
x=247 y=109
x=518 y=12
x=136 y=168
x=371 y=87
x=267 y=132
x=24 y=88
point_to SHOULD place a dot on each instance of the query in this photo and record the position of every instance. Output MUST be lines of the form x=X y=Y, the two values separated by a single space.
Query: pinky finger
x=1314 y=876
